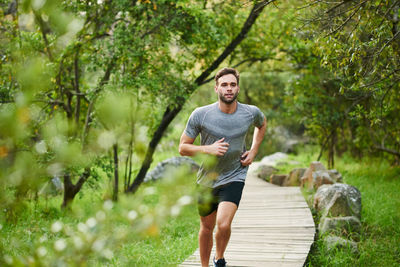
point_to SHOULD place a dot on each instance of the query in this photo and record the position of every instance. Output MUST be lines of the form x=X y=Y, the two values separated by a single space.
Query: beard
x=228 y=101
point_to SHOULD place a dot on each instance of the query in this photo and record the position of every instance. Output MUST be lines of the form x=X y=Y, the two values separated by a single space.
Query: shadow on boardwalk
x=272 y=227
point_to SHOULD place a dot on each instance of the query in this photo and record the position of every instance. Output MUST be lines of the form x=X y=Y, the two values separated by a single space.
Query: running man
x=222 y=127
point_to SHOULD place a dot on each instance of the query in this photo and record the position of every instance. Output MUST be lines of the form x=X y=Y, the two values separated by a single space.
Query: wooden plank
x=269 y=243
x=293 y=231
x=296 y=220
x=252 y=262
x=272 y=227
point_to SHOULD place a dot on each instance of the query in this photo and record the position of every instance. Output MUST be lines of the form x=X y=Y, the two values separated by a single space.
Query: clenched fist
x=247 y=157
x=218 y=148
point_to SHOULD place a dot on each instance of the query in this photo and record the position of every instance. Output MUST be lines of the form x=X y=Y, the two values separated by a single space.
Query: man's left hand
x=247 y=157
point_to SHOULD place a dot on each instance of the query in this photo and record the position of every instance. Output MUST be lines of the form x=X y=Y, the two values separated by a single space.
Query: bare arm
x=258 y=136
x=186 y=147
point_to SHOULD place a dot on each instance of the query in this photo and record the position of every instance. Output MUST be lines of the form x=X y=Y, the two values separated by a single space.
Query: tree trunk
x=249 y=101
x=70 y=189
x=173 y=110
x=331 y=154
x=96 y=92
x=77 y=90
x=324 y=143
x=168 y=116
x=128 y=163
x=115 y=193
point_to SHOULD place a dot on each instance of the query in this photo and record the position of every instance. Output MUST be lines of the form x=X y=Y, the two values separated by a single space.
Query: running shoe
x=219 y=263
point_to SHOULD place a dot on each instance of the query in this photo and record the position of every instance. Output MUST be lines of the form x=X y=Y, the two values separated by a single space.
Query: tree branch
x=255 y=12
x=43 y=31
x=334 y=7
x=70 y=189
x=386 y=13
x=251 y=60
x=308 y=5
x=347 y=20
x=388 y=42
x=103 y=81
x=173 y=109
x=168 y=116
x=388 y=150
x=154 y=29
x=76 y=87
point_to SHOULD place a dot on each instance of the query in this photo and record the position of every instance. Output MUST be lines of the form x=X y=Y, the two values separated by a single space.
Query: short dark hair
x=225 y=71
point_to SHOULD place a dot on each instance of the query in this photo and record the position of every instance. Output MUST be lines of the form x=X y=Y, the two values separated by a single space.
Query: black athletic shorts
x=209 y=198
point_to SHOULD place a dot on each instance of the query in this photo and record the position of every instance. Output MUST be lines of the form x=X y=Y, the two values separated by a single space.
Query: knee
x=206 y=229
x=224 y=227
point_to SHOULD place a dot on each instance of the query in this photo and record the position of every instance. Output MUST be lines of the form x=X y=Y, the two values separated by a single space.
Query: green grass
x=379 y=184
x=166 y=240
x=176 y=237
x=177 y=240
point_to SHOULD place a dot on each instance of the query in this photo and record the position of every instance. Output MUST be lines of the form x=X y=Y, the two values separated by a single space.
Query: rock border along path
x=272 y=227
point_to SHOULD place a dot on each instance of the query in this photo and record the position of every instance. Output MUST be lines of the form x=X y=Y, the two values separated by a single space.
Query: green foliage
x=98 y=232
x=77 y=78
x=358 y=43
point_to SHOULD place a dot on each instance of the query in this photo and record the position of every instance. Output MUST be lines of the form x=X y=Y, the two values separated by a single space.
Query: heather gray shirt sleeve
x=258 y=116
x=193 y=125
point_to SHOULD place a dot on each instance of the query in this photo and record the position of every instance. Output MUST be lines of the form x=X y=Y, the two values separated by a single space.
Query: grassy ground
x=156 y=238
x=379 y=245
x=379 y=184
x=177 y=240
x=176 y=236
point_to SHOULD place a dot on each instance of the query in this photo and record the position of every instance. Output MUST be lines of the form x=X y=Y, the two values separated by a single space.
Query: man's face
x=227 y=88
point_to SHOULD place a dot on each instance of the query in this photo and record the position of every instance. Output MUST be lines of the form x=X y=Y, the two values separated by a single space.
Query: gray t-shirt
x=212 y=124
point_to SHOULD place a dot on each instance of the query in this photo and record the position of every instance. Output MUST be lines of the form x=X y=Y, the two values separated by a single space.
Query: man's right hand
x=218 y=148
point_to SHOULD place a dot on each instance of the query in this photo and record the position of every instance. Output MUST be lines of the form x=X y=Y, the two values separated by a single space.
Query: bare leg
x=207 y=225
x=225 y=213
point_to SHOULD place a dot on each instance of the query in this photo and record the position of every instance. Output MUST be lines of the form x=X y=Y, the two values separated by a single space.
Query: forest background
x=98 y=92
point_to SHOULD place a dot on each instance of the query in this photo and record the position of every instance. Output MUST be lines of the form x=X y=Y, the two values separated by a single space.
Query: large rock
x=265 y=171
x=278 y=179
x=338 y=200
x=335 y=176
x=335 y=242
x=339 y=206
x=273 y=159
x=317 y=175
x=53 y=187
x=346 y=226
x=320 y=178
x=317 y=166
x=308 y=180
x=285 y=140
x=172 y=163
x=294 y=178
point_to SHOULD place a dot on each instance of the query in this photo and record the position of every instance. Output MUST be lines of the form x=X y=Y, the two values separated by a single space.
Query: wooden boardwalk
x=272 y=227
